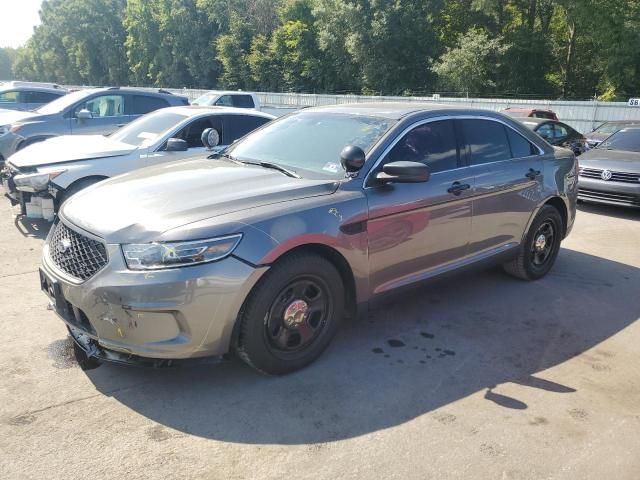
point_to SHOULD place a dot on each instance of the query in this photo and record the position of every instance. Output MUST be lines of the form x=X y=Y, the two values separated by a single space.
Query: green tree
x=7 y=57
x=471 y=65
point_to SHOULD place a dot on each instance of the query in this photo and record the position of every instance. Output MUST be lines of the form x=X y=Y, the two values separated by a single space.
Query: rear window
x=144 y=104
x=8 y=97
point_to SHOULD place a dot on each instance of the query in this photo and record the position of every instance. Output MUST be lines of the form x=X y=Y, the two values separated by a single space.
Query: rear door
x=508 y=183
x=108 y=114
x=414 y=228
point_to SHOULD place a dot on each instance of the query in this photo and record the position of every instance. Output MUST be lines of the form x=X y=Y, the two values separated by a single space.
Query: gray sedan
x=265 y=248
x=610 y=173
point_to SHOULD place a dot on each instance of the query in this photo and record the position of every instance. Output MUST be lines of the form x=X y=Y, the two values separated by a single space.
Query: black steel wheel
x=291 y=315
x=540 y=247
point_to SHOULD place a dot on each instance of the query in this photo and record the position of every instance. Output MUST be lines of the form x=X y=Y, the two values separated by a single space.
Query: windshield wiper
x=223 y=155
x=275 y=166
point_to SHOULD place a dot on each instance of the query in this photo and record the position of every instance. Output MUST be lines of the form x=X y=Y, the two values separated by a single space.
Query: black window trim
x=466 y=163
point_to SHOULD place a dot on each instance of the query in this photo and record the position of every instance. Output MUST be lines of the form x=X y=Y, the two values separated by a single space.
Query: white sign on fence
x=634 y=102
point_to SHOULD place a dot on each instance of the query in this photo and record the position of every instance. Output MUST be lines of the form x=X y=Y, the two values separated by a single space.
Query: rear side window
x=433 y=144
x=487 y=141
x=144 y=104
x=39 y=97
x=520 y=146
x=243 y=101
x=237 y=126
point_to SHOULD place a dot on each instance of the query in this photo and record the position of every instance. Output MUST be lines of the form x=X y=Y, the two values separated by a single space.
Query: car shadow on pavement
x=32 y=227
x=419 y=351
x=623 y=213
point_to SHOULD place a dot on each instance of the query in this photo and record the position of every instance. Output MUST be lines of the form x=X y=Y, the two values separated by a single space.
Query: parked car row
x=263 y=240
x=263 y=247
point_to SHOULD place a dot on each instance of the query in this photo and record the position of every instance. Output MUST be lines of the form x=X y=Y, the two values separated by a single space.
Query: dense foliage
x=545 y=48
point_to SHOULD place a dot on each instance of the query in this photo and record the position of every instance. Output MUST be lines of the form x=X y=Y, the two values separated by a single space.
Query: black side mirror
x=352 y=158
x=210 y=138
x=404 y=172
x=176 y=145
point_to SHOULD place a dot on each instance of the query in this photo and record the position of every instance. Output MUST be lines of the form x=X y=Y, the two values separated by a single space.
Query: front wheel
x=540 y=248
x=291 y=315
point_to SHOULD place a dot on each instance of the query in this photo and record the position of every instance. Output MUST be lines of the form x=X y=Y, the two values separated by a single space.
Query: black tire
x=534 y=260
x=76 y=186
x=270 y=321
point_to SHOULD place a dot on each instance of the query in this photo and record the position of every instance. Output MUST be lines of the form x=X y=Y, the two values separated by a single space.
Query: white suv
x=228 y=98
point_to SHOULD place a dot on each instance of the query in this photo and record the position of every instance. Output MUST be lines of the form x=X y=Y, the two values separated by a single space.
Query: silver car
x=96 y=111
x=28 y=95
x=265 y=248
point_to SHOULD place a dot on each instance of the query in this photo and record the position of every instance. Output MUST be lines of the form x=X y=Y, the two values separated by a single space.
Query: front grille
x=609 y=197
x=76 y=255
x=615 y=176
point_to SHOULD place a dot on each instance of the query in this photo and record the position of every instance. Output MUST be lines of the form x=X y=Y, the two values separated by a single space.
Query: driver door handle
x=532 y=174
x=457 y=188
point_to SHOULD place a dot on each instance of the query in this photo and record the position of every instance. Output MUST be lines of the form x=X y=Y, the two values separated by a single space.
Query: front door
x=416 y=229
x=508 y=183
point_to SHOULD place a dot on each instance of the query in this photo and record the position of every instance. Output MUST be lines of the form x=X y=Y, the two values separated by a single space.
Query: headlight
x=4 y=129
x=35 y=182
x=154 y=256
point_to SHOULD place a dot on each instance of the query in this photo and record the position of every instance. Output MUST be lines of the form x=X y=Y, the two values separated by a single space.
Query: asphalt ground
x=476 y=376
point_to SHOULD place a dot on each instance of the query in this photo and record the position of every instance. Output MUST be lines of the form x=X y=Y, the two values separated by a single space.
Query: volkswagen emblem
x=63 y=245
x=606 y=175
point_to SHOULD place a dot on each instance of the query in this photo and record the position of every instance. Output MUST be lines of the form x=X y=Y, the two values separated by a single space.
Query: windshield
x=206 y=99
x=62 y=103
x=609 y=128
x=311 y=141
x=147 y=129
x=627 y=139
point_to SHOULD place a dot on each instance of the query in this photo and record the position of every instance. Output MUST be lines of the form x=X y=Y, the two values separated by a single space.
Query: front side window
x=433 y=144
x=487 y=141
x=192 y=133
x=310 y=142
x=104 y=106
x=224 y=101
x=9 y=97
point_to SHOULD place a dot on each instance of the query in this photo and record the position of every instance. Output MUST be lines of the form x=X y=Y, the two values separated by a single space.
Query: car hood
x=69 y=148
x=616 y=160
x=140 y=205
x=8 y=117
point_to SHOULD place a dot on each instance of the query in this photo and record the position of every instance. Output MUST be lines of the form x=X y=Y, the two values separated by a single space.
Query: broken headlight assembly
x=35 y=182
x=155 y=256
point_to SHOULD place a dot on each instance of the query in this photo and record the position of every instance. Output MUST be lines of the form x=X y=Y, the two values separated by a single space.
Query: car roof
x=194 y=110
x=539 y=120
x=35 y=88
x=227 y=92
x=522 y=109
x=392 y=110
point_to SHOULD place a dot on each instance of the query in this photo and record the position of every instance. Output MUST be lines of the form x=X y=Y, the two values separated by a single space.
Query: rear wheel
x=540 y=248
x=291 y=315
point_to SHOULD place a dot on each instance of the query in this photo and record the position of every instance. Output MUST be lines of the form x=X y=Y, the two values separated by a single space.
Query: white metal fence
x=583 y=116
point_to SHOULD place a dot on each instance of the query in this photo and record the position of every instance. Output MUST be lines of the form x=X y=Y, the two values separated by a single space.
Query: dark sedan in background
x=558 y=134
x=610 y=173
x=607 y=129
